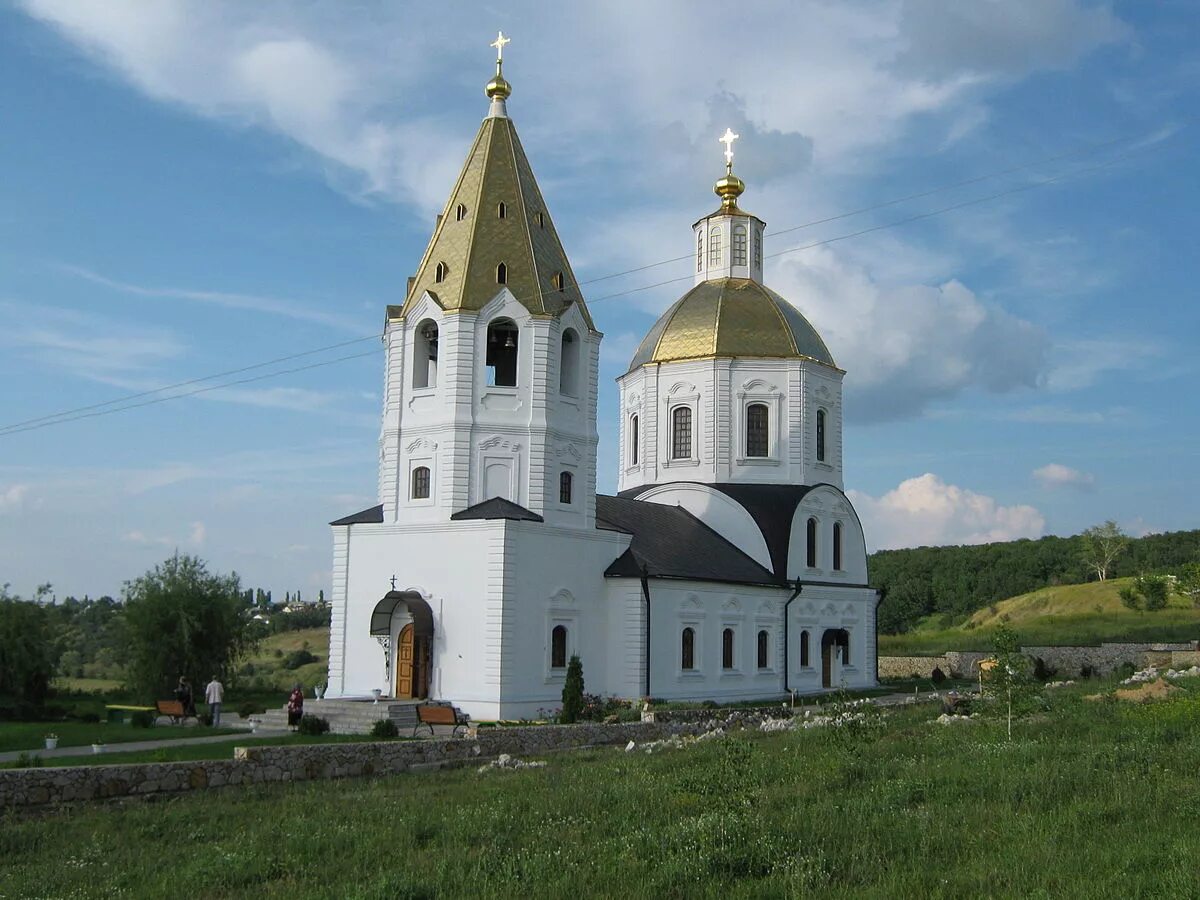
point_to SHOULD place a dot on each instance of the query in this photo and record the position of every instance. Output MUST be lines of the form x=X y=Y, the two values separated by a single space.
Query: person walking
x=214 y=695
x=295 y=706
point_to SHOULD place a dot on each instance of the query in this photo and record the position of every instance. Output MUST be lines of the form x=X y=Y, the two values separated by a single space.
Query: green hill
x=273 y=665
x=1070 y=614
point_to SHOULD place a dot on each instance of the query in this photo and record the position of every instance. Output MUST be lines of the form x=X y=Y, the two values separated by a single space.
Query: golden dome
x=731 y=318
x=729 y=189
x=498 y=88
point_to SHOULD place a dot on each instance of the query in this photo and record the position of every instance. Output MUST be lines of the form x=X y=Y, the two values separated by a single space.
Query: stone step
x=349 y=716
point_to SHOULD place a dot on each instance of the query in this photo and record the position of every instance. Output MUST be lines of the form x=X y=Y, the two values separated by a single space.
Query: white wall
x=718 y=393
x=827 y=505
x=719 y=512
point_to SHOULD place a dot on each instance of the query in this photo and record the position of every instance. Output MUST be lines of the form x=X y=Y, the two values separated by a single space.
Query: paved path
x=136 y=746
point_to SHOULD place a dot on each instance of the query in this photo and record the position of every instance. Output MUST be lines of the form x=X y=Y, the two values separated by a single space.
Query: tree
x=1148 y=592
x=572 y=695
x=28 y=654
x=1009 y=684
x=1187 y=582
x=1101 y=545
x=182 y=620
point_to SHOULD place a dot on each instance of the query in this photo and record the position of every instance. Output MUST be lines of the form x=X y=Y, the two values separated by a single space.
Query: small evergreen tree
x=572 y=695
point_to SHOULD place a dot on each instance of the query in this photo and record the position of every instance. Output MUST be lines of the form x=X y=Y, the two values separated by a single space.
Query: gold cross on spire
x=499 y=43
x=727 y=139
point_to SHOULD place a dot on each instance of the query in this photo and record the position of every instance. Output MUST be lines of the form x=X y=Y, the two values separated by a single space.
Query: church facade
x=730 y=565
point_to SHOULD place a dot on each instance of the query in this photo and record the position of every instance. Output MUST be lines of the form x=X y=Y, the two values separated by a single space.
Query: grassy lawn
x=29 y=735
x=1076 y=614
x=1090 y=800
x=219 y=750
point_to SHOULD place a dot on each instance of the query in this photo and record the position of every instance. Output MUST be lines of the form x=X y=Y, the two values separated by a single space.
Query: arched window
x=727 y=648
x=681 y=432
x=558 y=647
x=687 y=649
x=501 y=211
x=460 y=213
x=439 y=274
x=820 y=435
x=756 y=430
x=501 y=358
x=502 y=274
x=739 y=245
x=425 y=355
x=837 y=546
x=714 y=247
x=568 y=364
x=634 y=440
x=812 y=543
x=699 y=251
x=420 y=483
x=565 y=480
x=804 y=649
x=764 y=642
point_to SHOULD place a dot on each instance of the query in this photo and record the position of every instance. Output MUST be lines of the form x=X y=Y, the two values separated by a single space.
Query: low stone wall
x=1066 y=661
x=261 y=765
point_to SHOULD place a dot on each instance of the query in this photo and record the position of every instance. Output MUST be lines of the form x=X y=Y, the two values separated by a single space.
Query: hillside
x=957 y=581
x=268 y=669
x=1065 y=614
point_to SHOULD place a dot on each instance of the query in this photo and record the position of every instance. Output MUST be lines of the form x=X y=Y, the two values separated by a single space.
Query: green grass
x=268 y=659
x=216 y=750
x=30 y=735
x=1072 y=615
x=1090 y=800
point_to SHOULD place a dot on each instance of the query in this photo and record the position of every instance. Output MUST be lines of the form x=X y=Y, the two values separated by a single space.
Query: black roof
x=497 y=508
x=372 y=516
x=669 y=542
x=770 y=505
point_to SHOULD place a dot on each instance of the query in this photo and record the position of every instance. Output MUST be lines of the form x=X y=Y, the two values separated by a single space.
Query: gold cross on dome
x=727 y=139
x=499 y=43
x=393 y=582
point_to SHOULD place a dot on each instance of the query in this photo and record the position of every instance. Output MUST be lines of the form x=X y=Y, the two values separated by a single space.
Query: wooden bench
x=430 y=714
x=118 y=714
x=173 y=709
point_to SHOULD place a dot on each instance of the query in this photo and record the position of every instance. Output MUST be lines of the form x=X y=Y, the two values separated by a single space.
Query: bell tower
x=490 y=386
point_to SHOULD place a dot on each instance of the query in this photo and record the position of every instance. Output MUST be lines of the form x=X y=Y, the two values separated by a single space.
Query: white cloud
x=925 y=511
x=198 y=534
x=1080 y=363
x=908 y=346
x=12 y=498
x=1055 y=475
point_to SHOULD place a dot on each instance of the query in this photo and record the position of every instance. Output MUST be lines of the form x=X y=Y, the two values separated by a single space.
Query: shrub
x=142 y=719
x=385 y=728
x=250 y=708
x=89 y=716
x=937 y=676
x=1129 y=597
x=1043 y=672
x=313 y=725
x=1123 y=671
x=572 y=694
x=298 y=658
x=597 y=708
x=28 y=761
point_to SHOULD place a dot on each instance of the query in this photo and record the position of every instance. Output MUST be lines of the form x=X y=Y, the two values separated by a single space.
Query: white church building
x=729 y=566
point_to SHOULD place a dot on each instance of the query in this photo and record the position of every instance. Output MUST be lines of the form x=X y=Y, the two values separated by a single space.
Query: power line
x=99 y=409
x=203 y=390
x=168 y=387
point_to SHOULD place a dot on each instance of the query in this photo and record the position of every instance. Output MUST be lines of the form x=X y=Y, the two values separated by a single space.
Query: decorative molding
x=823 y=392
x=500 y=442
x=385 y=641
x=680 y=386
x=691 y=602
x=565 y=448
x=634 y=401
x=732 y=605
x=419 y=443
x=562 y=597
x=758 y=386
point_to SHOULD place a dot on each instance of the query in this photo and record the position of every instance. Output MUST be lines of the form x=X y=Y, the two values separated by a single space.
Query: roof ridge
x=538 y=287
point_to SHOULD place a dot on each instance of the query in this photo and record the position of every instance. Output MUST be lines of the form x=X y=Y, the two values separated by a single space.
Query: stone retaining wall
x=261 y=765
x=1067 y=661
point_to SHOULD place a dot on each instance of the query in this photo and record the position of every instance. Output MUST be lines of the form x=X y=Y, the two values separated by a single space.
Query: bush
x=142 y=719
x=597 y=708
x=28 y=761
x=385 y=728
x=1123 y=671
x=298 y=658
x=250 y=708
x=89 y=716
x=572 y=694
x=937 y=676
x=313 y=725
x=1043 y=672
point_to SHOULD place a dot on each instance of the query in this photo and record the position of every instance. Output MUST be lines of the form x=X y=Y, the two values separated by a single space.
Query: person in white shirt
x=213 y=695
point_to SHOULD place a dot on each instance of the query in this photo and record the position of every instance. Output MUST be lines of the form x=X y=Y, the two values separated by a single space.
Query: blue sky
x=196 y=187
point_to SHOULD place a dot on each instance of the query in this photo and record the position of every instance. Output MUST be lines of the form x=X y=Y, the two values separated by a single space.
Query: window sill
x=501 y=390
x=828 y=467
x=731 y=673
x=680 y=463
x=757 y=461
x=425 y=391
x=569 y=400
x=690 y=675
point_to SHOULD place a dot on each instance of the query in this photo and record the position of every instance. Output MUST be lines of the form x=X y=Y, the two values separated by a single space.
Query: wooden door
x=404 y=664
x=827 y=647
